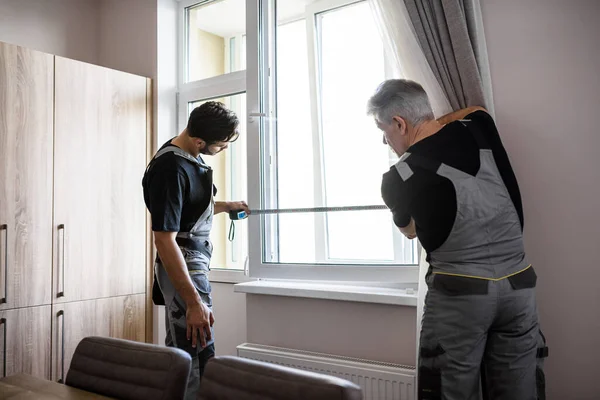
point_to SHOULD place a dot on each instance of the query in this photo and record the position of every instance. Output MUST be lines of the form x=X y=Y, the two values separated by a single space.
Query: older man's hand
x=409 y=231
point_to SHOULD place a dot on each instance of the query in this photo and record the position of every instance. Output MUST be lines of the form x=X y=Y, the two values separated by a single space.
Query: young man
x=178 y=191
x=455 y=190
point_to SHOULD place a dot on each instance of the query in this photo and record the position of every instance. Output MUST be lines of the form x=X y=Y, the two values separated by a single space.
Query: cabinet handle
x=4 y=299
x=3 y=322
x=61 y=278
x=61 y=313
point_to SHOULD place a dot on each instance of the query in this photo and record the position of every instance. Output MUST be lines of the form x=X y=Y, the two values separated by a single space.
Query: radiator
x=379 y=381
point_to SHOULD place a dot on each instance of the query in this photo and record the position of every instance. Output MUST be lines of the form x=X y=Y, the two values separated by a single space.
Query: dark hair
x=213 y=122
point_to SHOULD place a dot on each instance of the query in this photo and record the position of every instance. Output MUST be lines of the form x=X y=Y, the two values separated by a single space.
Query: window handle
x=252 y=116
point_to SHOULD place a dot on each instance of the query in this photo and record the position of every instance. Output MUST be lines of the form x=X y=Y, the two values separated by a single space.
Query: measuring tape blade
x=240 y=214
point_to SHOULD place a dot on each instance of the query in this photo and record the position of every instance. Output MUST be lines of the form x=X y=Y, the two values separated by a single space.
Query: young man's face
x=214 y=148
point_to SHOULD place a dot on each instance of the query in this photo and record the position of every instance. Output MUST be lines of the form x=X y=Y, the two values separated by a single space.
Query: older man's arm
x=460 y=114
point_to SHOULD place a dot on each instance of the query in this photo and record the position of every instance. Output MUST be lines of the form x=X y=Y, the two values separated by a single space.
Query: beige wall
x=113 y=33
x=370 y=331
x=128 y=36
x=68 y=28
x=545 y=70
x=208 y=53
x=230 y=318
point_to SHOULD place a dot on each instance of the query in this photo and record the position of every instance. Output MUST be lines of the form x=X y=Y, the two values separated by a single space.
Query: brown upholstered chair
x=129 y=370
x=229 y=378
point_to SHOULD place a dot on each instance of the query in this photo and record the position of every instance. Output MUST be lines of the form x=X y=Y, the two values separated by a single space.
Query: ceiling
x=228 y=17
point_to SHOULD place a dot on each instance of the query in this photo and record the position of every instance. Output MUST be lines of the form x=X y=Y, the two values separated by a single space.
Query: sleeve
x=165 y=196
x=391 y=192
x=487 y=127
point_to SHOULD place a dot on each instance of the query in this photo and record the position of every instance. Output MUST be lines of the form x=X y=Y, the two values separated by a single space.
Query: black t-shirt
x=176 y=192
x=430 y=199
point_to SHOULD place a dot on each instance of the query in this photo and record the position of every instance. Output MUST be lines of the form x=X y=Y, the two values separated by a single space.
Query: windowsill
x=228 y=276
x=318 y=290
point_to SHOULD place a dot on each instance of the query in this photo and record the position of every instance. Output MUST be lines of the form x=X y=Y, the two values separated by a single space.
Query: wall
x=370 y=331
x=166 y=85
x=128 y=36
x=67 y=28
x=230 y=318
x=544 y=61
x=113 y=33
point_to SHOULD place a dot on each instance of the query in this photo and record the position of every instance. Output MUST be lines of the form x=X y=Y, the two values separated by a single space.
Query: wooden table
x=26 y=387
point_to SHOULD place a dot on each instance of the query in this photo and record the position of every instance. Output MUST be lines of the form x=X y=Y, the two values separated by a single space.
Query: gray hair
x=402 y=98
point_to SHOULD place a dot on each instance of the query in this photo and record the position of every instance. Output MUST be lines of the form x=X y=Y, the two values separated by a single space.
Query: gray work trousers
x=482 y=345
x=176 y=326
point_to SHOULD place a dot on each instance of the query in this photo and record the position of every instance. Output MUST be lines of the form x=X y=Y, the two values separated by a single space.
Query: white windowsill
x=228 y=276
x=319 y=290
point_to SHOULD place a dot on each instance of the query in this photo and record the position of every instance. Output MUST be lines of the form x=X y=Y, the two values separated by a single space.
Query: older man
x=455 y=190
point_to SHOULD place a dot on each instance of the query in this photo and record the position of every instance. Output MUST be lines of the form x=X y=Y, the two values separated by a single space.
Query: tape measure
x=237 y=215
x=241 y=214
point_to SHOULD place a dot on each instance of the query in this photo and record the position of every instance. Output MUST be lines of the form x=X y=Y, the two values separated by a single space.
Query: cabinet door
x=26 y=118
x=119 y=317
x=100 y=158
x=25 y=342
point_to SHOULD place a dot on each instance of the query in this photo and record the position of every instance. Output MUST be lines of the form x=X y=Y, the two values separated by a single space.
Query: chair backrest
x=129 y=370
x=228 y=378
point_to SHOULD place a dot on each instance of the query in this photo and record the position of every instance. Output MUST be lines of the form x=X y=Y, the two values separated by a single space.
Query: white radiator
x=379 y=381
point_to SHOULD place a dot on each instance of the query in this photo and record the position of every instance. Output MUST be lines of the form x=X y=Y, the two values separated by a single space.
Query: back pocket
x=523 y=280
x=459 y=285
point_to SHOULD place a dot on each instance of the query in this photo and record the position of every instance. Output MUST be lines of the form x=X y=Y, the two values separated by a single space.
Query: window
x=310 y=71
x=229 y=169
x=213 y=47
x=213 y=35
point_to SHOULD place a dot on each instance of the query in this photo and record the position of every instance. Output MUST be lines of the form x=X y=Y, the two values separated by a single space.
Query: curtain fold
x=451 y=35
x=402 y=46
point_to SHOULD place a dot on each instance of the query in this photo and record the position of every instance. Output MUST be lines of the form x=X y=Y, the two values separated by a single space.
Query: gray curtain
x=451 y=35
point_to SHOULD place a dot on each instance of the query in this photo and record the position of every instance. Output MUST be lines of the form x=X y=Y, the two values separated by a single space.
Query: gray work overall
x=196 y=248
x=480 y=324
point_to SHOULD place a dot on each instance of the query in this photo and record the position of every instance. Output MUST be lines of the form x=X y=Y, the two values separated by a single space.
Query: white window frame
x=219 y=86
x=322 y=232
x=258 y=11
x=255 y=81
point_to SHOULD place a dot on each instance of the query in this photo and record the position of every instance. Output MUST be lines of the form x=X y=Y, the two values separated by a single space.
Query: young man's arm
x=460 y=114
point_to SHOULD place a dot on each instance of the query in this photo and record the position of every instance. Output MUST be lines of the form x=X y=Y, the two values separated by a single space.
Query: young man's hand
x=199 y=320
x=227 y=206
x=239 y=205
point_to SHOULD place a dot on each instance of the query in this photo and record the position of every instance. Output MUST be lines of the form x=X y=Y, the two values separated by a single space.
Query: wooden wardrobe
x=74 y=142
